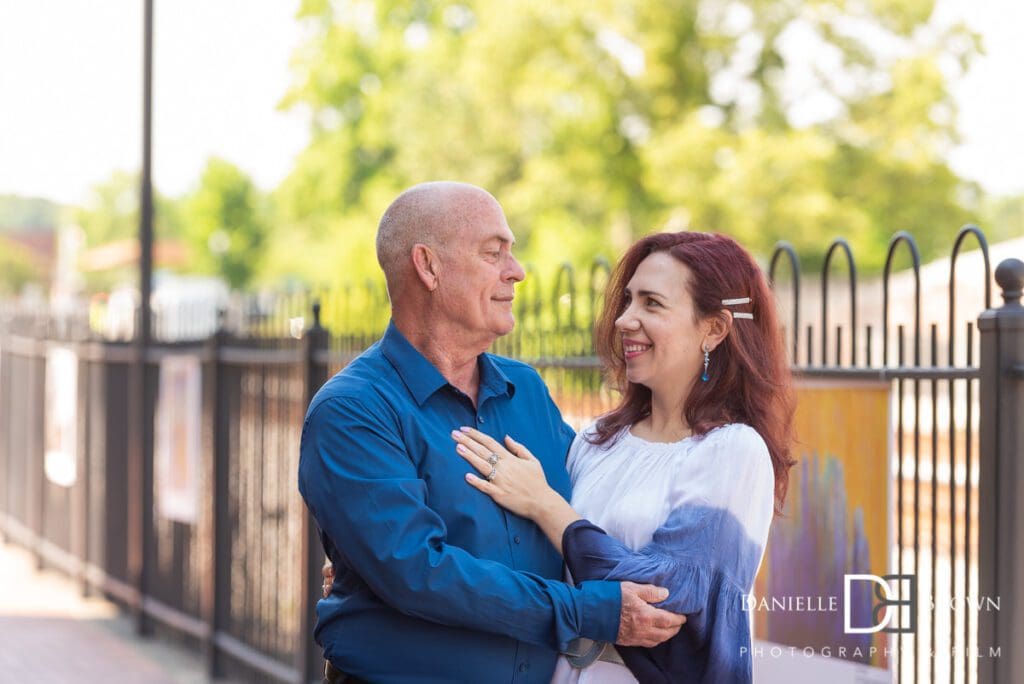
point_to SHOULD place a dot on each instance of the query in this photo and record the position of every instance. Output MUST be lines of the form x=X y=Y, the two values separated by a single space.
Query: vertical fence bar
x=953 y=555
x=934 y=533
x=867 y=347
x=215 y=595
x=917 y=499
x=1001 y=511
x=968 y=504
x=80 y=513
x=5 y=427
x=35 y=495
x=979 y=236
x=794 y=263
x=309 y=661
x=900 y=393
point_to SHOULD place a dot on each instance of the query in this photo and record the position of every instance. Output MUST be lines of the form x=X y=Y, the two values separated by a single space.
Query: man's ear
x=425 y=261
x=718 y=327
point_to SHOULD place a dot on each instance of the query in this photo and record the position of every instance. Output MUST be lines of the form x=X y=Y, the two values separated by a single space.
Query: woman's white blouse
x=630 y=488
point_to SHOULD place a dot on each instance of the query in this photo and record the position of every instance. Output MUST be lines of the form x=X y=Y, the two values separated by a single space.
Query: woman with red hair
x=676 y=486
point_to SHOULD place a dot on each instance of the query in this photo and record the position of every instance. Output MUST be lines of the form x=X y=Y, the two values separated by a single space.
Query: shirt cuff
x=600 y=610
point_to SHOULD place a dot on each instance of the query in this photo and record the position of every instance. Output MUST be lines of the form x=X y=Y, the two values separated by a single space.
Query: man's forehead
x=485 y=226
x=504 y=237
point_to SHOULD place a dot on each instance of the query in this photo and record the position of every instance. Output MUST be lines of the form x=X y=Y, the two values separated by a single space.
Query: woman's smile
x=632 y=349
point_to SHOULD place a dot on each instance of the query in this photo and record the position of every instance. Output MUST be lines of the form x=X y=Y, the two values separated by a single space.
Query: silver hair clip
x=740 y=300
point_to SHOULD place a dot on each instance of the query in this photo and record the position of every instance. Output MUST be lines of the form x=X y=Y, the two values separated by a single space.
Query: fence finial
x=1010 y=277
x=316 y=312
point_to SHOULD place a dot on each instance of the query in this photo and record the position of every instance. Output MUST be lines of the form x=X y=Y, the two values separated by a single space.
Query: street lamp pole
x=146 y=203
x=140 y=462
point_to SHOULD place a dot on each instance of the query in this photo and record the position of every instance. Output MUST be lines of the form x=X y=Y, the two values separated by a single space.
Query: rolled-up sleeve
x=363 y=488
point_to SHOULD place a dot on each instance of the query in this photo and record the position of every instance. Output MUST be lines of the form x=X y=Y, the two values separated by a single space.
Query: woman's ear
x=718 y=327
x=425 y=261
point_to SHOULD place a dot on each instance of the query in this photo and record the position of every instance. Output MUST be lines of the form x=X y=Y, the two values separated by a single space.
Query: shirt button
x=516 y=540
x=479 y=419
x=522 y=667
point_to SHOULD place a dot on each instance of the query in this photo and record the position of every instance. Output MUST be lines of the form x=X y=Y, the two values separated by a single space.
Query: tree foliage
x=596 y=121
x=111 y=215
x=17 y=267
x=1004 y=217
x=224 y=222
x=112 y=212
x=27 y=213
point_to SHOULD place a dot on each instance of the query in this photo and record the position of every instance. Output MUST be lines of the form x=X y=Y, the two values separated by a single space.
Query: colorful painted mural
x=835 y=523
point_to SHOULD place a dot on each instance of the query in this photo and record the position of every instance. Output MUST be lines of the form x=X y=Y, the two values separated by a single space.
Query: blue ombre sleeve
x=705 y=560
x=706 y=553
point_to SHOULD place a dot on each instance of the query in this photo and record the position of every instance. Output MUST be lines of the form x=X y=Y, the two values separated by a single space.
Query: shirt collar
x=422 y=378
x=493 y=379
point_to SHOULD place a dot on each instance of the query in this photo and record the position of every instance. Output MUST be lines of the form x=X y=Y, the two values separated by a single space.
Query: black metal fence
x=935 y=448
x=235 y=571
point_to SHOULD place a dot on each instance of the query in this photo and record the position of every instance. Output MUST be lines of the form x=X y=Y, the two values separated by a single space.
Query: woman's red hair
x=750 y=380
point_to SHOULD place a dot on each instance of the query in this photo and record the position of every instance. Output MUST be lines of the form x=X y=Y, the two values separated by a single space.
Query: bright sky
x=70 y=93
x=990 y=97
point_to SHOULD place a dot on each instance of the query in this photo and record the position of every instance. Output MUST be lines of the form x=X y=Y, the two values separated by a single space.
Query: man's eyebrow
x=502 y=239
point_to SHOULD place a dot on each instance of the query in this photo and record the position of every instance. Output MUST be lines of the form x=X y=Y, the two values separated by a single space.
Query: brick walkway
x=49 y=634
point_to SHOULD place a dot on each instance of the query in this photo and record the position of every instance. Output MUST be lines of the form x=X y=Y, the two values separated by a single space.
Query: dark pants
x=333 y=675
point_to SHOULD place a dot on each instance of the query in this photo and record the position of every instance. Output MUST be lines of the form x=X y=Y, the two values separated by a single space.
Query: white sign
x=61 y=416
x=177 y=445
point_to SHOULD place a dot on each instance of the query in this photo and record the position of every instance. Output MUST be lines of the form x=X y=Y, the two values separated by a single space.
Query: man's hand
x=641 y=624
x=328 y=573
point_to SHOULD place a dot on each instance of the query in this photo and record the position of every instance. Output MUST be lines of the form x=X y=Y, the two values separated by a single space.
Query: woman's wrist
x=554 y=514
x=545 y=504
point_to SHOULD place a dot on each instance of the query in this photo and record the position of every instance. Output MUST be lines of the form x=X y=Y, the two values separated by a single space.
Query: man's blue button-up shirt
x=434 y=581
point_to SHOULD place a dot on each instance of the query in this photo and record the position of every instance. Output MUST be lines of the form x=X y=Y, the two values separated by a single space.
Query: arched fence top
x=908 y=239
x=567 y=274
x=600 y=265
x=966 y=231
x=568 y=299
x=837 y=244
x=316 y=314
x=783 y=247
x=525 y=306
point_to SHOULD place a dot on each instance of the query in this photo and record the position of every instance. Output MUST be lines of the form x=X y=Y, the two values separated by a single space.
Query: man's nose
x=515 y=270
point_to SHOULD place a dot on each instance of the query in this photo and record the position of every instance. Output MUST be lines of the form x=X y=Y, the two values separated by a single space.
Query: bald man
x=433 y=581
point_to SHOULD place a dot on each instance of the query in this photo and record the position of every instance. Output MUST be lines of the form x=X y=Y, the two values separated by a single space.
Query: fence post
x=80 y=510
x=35 y=494
x=6 y=428
x=309 y=659
x=1001 y=510
x=216 y=591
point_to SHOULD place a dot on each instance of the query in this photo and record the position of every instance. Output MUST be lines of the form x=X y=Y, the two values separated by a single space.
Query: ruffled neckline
x=628 y=435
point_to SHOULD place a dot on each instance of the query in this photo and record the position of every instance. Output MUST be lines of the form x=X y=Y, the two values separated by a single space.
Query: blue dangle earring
x=707 y=359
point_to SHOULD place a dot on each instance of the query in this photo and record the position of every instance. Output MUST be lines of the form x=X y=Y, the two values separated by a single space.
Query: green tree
x=111 y=215
x=31 y=213
x=1004 y=217
x=17 y=267
x=224 y=222
x=595 y=121
x=112 y=212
